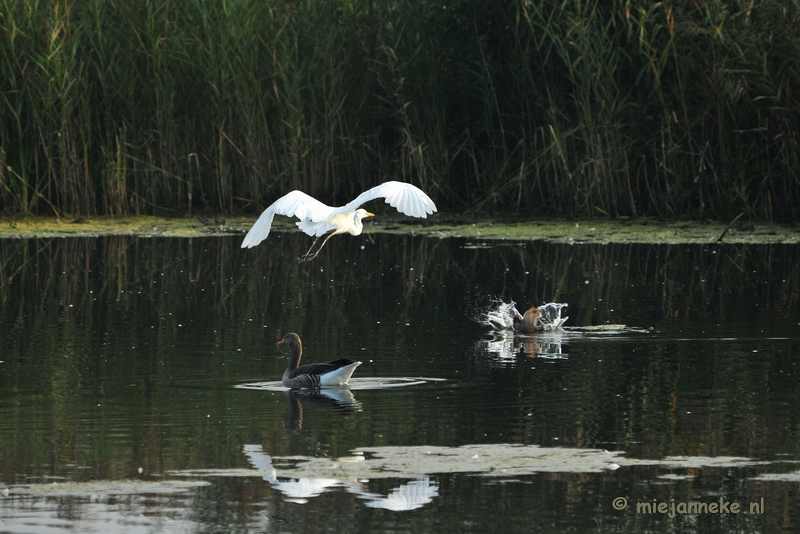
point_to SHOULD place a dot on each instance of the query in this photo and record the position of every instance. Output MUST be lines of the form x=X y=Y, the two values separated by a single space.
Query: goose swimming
x=313 y=375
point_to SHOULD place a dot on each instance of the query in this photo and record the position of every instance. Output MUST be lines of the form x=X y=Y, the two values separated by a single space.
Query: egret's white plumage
x=318 y=219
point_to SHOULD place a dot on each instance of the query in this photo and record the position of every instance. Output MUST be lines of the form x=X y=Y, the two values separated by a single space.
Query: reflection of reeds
x=82 y=317
x=179 y=276
x=149 y=288
x=583 y=107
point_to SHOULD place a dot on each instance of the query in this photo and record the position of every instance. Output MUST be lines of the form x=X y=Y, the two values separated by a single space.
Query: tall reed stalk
x=582 y=107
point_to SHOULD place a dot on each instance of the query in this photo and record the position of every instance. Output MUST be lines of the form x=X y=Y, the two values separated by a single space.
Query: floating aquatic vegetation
x=794 y=476
x=107 y=487
x=496 y=460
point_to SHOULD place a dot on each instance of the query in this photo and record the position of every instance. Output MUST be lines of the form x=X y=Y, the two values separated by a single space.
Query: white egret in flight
x=318 y=219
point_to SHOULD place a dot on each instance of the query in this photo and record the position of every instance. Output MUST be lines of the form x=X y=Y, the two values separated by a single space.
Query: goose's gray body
x=314 y=375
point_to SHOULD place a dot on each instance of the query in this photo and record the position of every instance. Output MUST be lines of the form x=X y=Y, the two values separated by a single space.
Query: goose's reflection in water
x=409 y=496
x=340 y=397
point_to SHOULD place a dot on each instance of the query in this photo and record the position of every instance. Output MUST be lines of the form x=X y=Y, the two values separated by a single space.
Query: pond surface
x=135 y=395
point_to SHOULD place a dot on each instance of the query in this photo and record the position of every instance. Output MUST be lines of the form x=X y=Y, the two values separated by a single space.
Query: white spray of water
x=502 y=316
x=550 y=316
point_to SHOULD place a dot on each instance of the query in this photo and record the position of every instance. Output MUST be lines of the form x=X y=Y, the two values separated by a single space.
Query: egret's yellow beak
x=370 y=214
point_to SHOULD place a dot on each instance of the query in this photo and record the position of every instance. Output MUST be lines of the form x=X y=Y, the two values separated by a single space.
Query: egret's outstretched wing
x=294 y=204
x=406 y=198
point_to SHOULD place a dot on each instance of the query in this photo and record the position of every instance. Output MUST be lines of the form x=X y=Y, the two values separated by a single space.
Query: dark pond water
x=121 y=406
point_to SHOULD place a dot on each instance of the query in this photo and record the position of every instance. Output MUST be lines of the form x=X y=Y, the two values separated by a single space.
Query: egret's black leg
x=305 y=257
x=308 y=256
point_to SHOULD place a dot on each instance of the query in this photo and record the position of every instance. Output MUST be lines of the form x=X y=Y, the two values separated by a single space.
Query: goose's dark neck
x=294 y=358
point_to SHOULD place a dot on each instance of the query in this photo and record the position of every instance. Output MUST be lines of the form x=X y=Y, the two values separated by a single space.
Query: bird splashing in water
x=318 y=219
x=507 y=318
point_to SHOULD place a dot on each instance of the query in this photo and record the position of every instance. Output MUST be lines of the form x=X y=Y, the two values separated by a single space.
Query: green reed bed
x=579 y=107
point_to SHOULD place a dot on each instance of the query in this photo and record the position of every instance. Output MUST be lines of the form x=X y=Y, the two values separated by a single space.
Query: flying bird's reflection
x=296 y=490
x=409 y=496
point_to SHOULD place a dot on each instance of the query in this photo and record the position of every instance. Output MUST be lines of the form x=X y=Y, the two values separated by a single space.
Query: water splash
x=550 y=316
x=500 y=316
x=504 y=317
